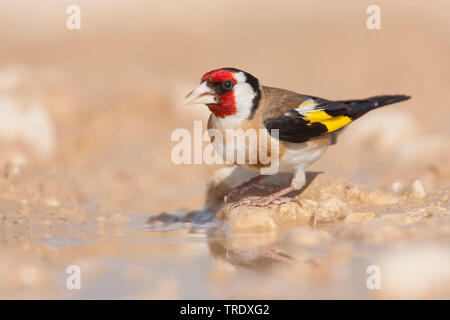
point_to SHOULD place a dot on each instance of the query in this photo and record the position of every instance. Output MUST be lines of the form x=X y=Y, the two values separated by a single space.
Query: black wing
x=316 y=116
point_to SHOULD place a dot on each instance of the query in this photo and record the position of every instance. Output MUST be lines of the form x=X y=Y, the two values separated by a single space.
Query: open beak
x=202 y=95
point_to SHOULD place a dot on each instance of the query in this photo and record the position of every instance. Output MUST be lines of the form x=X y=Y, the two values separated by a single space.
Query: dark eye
x=228 y=84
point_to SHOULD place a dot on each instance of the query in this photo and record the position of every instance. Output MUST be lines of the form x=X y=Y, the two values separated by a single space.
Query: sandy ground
x=85 y=124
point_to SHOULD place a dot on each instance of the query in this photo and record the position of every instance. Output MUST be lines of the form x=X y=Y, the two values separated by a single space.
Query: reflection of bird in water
x=255 y=251
x=196 y=217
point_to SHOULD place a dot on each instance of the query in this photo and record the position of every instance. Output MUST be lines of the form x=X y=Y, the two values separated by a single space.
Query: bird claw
x=262 y=202
x=282 y=200
x=242 y=189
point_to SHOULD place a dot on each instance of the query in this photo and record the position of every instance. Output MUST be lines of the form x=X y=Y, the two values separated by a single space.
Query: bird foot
x=240 y=190
x=261 y=202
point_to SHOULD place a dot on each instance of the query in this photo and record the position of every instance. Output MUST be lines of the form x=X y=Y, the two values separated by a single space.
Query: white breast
x=248 y=149
x=300 y=156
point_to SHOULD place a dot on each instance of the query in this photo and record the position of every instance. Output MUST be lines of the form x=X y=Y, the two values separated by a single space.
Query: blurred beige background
x=112 y=92
x=85 y=123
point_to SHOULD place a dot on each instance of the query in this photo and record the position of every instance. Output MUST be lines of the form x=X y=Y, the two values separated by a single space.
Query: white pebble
x=396 y=187
x=417 y=191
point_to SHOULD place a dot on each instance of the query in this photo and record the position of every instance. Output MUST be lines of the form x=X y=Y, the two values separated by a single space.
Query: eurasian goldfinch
x=306 y=125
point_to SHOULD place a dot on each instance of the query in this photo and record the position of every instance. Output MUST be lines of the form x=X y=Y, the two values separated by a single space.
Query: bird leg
x=252 y=183
x=298 y=182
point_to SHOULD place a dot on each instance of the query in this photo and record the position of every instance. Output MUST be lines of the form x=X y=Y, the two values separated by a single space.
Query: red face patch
x=227 y=102
x=219 y=75
x=227 y=106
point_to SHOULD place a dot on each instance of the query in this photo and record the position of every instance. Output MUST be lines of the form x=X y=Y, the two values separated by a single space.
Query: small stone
x=292 y=213
x=331 y=210
x=417 y=191
x=396 y=187
x=250 y=218
x=22 y=210
x=269 y=217
x=353 y=191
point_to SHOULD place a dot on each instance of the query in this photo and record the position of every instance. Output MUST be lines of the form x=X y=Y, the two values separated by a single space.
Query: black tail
x=360 y=107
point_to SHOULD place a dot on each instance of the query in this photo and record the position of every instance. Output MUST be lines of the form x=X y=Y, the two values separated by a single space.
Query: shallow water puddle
x=192 y=256
x=170 y=260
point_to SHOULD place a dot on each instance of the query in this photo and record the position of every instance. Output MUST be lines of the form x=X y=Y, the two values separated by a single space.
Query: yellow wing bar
x=332 y=123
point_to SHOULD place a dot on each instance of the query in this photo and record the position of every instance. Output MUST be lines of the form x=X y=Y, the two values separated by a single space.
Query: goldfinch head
x=227 y=92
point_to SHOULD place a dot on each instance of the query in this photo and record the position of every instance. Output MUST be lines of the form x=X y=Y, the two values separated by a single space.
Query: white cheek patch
x=244 y=95
x=240 y=77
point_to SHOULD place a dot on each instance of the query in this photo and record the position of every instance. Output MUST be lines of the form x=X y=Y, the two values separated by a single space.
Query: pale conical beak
x=202 y=95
